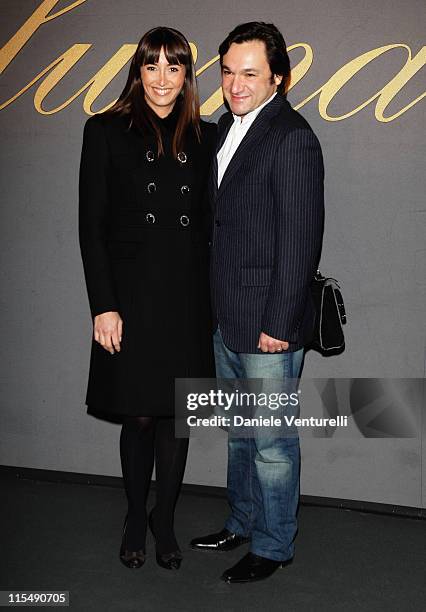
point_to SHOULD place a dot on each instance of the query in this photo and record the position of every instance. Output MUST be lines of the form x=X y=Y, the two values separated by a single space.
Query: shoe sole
x=282 y=566
x=218 y=550
x=244 y=581
x=252 y=579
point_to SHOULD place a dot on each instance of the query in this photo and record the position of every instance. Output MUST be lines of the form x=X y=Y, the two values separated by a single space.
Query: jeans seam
x=251 y=515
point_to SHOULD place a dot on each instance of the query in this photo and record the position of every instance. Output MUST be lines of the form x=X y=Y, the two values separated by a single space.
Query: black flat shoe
x=251 y=568
x=133 y=559
x=170 y=561
x=221 y=542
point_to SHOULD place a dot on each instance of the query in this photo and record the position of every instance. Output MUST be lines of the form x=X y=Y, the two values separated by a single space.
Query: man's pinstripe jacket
x=267 y=230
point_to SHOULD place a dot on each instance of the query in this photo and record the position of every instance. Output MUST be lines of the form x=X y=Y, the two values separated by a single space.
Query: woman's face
x=162 y=83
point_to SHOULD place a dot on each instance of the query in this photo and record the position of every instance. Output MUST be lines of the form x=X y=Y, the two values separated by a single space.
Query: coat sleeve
x=92 y=220
x=298 y=190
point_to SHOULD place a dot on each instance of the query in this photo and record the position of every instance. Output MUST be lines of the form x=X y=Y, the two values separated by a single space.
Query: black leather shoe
x=252 y=567
x=170 y=561
x=131 y=559
x=223 y=541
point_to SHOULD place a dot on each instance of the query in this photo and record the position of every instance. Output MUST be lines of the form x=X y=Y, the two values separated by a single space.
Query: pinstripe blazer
x=267 y=230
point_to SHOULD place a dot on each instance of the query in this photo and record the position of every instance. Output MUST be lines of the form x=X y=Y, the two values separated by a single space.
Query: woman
x=144 y=244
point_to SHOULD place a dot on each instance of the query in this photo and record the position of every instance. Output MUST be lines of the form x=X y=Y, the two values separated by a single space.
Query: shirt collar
x=251 y=116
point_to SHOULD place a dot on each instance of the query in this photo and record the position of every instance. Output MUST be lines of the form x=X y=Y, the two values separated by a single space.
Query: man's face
x=247 y=81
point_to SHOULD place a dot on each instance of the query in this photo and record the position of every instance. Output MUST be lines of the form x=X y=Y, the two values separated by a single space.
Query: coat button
x=185 y=189
x=184 y=220
x=217 y=222
x=150 y=156
x=150 y=218
x=151 y=187
x=182 y=157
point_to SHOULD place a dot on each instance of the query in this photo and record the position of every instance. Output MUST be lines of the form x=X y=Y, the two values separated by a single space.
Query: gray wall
x=374 y=240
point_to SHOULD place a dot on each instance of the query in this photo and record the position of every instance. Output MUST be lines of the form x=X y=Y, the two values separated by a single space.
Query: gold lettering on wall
x=57 y=69
x=95 y=85
x=22 y=36
x=389 y=91
x=385 y=95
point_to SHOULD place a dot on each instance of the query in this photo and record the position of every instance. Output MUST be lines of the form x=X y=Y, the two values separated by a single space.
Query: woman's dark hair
x=132 y=99
x=276 y=51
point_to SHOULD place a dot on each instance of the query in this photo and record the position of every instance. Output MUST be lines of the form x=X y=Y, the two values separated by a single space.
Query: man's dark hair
x=276 y=51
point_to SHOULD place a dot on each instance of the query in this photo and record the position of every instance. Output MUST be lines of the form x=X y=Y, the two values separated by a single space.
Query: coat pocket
x=255 y=277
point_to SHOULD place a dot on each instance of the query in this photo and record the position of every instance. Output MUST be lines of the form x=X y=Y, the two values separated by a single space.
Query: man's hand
x=108 y=330
x=267 y=344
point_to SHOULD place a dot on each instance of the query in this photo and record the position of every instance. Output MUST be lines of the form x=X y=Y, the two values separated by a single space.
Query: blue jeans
x=263 y=471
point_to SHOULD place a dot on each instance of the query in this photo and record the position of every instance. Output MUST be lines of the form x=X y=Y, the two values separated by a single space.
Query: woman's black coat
x=144 y=245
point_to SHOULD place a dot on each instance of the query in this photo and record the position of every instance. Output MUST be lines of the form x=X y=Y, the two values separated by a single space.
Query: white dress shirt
x=235 y=135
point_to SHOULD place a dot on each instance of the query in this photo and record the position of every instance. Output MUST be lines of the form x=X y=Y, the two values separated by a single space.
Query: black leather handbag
x=330 y=315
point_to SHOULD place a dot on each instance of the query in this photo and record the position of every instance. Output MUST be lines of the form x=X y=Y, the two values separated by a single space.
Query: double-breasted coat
x=143 y=230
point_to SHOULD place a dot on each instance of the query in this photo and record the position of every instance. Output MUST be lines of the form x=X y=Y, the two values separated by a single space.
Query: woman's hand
x=108 y=330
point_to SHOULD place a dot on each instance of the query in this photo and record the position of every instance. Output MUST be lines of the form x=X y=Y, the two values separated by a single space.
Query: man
x=267 y=199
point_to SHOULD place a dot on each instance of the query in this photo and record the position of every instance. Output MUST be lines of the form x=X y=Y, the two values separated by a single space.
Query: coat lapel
x=255 y=133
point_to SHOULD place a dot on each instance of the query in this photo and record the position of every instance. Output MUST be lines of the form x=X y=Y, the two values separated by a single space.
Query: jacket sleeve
x=298 y=190
x=92 y=220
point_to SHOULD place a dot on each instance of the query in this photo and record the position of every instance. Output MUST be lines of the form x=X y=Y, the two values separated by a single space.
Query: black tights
x=142 y=439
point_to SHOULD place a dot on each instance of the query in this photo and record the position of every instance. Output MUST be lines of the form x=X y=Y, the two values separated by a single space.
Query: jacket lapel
x=255 y=133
